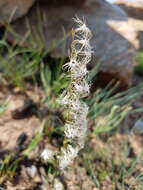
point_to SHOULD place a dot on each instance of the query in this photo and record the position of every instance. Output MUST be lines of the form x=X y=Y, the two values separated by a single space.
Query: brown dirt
x=10 y=128
x=101 y=161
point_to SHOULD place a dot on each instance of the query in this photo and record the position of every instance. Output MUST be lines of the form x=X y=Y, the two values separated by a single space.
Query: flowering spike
x=76 y=127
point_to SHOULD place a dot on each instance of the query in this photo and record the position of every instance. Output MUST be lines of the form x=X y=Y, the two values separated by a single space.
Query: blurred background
x=35 y=38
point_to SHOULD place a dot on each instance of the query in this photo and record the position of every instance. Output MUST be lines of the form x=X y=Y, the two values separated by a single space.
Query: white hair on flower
x=67 y=156
x=47 y=154
x=76 y=127
x=76 y=124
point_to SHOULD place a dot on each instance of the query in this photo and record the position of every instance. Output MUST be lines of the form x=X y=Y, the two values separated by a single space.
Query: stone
x=114 y=39
x=31 y=171
x=10 y=10
x=134 y=9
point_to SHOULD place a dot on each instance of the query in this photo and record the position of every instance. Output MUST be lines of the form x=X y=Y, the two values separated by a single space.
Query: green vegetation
x=139 y=67
x=23 y=66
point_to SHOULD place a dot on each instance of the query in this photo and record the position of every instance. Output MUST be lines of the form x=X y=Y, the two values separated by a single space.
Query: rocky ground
x=108 y=161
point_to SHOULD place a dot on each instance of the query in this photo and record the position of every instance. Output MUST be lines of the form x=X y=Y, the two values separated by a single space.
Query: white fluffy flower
x=77 y=130
x=76 y=124
x=47 y=154
x=76 y=74
x=67 y=157
x=82 y=88
x=58 y=185
x=76 y=127
x=65 y=99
